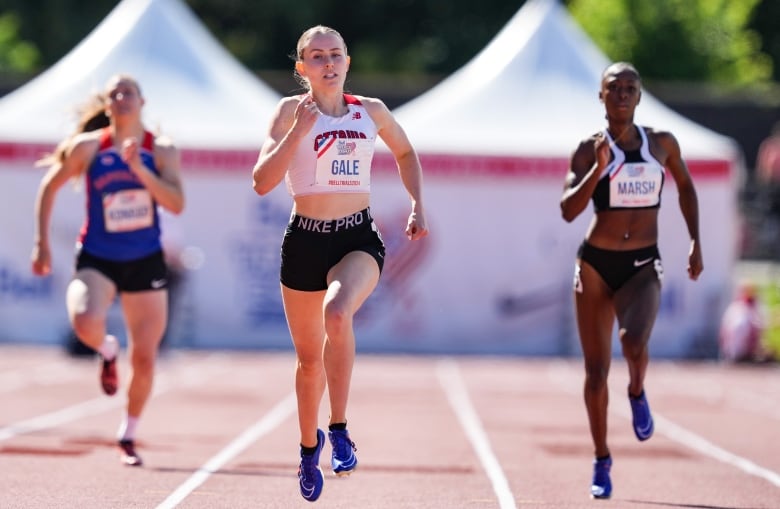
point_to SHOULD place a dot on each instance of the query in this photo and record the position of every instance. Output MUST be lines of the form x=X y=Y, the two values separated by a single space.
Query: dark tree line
x=402 y=36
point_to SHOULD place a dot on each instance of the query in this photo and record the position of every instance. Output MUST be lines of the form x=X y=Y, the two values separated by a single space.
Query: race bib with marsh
x=636 y=185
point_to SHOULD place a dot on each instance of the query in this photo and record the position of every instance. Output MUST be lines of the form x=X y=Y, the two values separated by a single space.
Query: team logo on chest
x=323 y=141
x=346 y=148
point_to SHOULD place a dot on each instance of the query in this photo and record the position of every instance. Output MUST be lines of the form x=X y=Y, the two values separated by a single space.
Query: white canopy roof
x=534 y=91
x=195 y=91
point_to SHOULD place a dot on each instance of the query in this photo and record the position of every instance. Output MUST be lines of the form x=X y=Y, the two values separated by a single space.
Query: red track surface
x=464 y=432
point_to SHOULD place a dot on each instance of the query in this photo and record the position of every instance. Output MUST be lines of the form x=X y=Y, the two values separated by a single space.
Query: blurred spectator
x=742 y=329
x=768 y=158
x=768 y=173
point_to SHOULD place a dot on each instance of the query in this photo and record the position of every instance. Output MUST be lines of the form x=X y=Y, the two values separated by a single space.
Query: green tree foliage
x=683 y=40
x=15 y=55
x=766 y=21
x=56 y=26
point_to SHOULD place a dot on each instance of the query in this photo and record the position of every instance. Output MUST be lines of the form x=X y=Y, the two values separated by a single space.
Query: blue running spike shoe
x=601 y=487
x=642 y=419
x=343 y=460
x=310 y=476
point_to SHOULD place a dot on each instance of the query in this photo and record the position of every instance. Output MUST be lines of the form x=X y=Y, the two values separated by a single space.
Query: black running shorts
x=147 y=273
x=312 y=247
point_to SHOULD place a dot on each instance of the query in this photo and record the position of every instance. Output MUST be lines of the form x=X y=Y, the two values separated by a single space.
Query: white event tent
x=216 y=111
x=195 y=90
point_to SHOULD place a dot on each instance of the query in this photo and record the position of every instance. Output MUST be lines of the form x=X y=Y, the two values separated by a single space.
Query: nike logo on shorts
x=639 y=263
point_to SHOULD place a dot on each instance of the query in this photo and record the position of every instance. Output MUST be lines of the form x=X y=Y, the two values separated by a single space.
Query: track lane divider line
x=53 y=419
x=215 y=364
x=562 y=375
x=458 y=396
x=268 y=422
x=704 y=446
x=40 y=375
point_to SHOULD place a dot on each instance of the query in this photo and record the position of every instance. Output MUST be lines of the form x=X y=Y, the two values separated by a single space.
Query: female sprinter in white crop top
x=322 y=143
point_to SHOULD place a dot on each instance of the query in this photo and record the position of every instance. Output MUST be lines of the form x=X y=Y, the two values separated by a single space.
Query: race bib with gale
x=344 y=164
x=128 y=210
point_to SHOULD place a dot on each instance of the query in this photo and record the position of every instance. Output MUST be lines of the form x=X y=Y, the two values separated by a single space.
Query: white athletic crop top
x=632 y=179
x=335 y=156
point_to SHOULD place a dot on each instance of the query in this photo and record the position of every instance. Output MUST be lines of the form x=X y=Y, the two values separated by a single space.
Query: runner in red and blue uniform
x=128 y=173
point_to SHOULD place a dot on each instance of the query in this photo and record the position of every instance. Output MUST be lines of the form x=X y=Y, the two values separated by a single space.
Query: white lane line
x=47 y=374
x=704 y=446
x=192 y=375
x=715 y=388
x=53 y=419
x=452 y=383
x=559 y=373
x=271 y=420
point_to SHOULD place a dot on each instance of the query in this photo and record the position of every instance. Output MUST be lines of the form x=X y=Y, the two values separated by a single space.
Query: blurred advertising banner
x=494 y=275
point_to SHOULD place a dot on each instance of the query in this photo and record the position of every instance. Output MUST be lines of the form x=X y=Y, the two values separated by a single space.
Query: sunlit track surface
x=431 y=432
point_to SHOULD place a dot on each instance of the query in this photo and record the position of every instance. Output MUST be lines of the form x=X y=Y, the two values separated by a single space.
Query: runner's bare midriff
x=330 y=205
x=624 y=229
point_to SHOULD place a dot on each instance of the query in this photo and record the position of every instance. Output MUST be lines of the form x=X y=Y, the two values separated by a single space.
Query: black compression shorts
x=312 y=247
